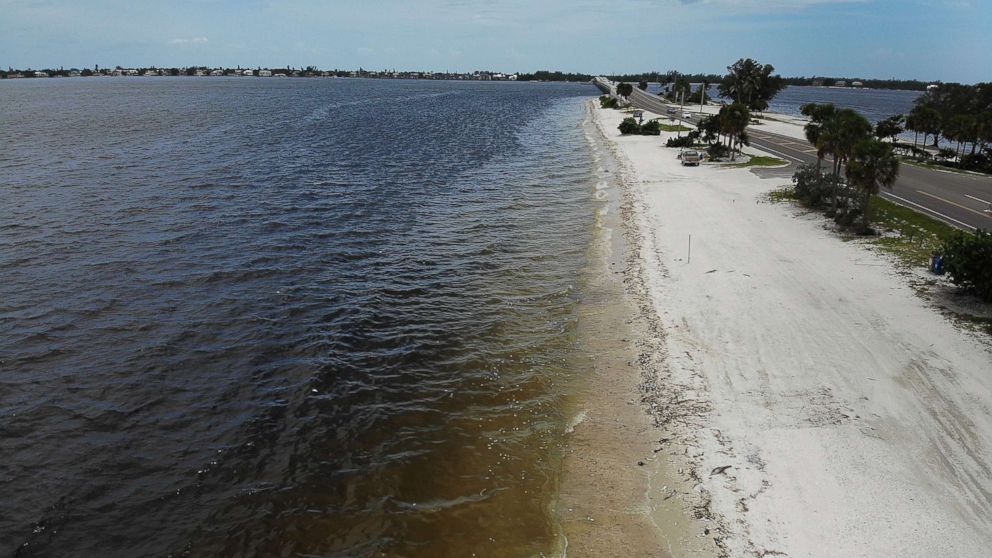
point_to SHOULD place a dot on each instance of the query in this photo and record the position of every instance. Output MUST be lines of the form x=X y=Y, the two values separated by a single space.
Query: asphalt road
x=961 y=200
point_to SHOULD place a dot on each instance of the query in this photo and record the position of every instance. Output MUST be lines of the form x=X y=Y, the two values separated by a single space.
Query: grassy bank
x=911 y=236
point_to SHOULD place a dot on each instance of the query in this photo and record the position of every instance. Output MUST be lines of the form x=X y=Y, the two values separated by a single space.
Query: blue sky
x=948 y=40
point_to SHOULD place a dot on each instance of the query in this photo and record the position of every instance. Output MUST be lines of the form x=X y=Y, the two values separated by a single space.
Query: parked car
x=690 y=157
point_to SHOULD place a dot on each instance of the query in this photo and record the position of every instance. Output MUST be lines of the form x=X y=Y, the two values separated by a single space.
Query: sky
x=930 y=40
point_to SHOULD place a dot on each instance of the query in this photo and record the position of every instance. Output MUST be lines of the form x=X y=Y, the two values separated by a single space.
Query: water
x=873 y=104
x=287 y=317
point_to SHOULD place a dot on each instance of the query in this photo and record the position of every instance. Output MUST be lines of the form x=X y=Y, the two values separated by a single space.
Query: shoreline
x=620 y=487
x=823 y=407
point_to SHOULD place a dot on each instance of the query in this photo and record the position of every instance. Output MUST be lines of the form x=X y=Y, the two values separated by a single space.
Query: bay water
x=318 y=317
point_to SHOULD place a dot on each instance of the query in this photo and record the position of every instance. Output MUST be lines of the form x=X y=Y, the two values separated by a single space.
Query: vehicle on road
x=690 y=157
x=671 y=111
x=686 y=115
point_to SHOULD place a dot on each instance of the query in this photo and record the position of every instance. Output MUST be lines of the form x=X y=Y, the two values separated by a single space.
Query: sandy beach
x=811 y=403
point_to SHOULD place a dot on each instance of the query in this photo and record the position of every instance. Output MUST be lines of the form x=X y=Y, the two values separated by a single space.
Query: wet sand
x=624 y=490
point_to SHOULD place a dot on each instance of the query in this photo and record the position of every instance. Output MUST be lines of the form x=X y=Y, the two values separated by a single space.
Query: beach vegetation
x=630 y=126
x=717 y=151
x=815 y=189
x=762 y=161
x=607 y=102
x=968 y=261
x=684 y=141
x=672 y=127
x=872 y=166
x=651 y=128
x=751 y=84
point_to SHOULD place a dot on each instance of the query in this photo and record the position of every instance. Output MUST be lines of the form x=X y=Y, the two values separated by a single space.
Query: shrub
x=607 y=102
x=629 y=126
x=978 y=162
x=968 y=261
x=817 y=190
x=684 y=141
x=717 y=150
x=651 y=128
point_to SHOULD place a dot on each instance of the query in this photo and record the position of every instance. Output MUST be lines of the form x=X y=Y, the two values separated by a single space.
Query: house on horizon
x=265 y=73
x=840 y=83
x=857 y=84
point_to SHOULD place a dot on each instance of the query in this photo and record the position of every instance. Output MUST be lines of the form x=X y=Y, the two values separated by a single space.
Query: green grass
x=760 y=161
x=787 y=194
x=673 y=128
x=918 y=235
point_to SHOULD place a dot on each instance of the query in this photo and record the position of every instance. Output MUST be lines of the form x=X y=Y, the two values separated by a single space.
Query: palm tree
x=926 y=120
x=818 y=116
x=751 y=84
x=840 y=133
x=872 y=166
x=733 y=122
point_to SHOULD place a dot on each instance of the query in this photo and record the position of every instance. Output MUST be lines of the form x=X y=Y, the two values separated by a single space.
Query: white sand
x=856 y=420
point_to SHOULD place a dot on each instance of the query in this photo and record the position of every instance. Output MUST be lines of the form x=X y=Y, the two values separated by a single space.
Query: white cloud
x=192 y=41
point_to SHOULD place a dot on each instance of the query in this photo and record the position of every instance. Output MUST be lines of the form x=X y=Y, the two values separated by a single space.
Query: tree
x=733 y=122
x=818 y=116
x=890 y=127
x=873 y=165
x=927 y=120
x=642 y=85
x=751 y=84
x=840 y=133
x=624 y=90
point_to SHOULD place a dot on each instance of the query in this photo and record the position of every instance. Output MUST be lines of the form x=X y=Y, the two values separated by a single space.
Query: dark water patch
x=307 y=317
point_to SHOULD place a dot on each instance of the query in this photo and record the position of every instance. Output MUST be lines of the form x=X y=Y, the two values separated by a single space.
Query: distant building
x=817 y=83
x=217 y=72
x=840 y=83
x=200 y=73
x=265 y=73
x=857 y=84
x=932 y=86
x=248 y=73
x=74 y=73
x=41 y=74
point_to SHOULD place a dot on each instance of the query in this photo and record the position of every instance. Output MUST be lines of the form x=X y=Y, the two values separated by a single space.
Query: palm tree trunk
x=866 y=200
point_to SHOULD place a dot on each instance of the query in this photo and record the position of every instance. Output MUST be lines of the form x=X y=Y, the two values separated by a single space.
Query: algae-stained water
x=286 y=317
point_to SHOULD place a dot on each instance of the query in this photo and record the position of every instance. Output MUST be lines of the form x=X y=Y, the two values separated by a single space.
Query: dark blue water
x=286 y=317
x=874 y=104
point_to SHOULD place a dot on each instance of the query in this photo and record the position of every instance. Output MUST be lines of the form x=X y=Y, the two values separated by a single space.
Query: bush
x=651 y=128
x=684 y=141
x=815 y=189
x=608 y=102
x=968 y=261
x=717 y=150
x=629 y=126
x=978 y=162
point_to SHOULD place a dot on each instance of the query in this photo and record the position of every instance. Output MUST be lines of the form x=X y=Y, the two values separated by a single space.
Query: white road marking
x=978 y=199
x=928 y=210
